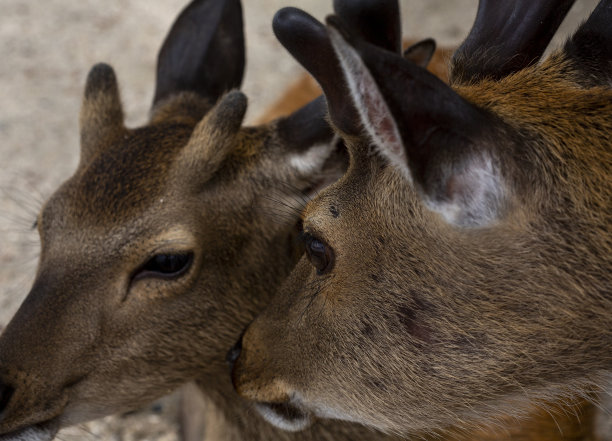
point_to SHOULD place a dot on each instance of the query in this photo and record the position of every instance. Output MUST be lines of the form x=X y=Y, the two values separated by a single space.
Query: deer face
x=454 y=274
x=162 y=245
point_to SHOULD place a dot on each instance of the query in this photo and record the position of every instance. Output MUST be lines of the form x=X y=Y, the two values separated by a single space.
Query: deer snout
x=253 y=373
x=254 y=379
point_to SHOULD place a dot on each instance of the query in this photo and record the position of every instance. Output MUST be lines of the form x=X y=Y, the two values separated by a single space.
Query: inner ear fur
x=422 y=126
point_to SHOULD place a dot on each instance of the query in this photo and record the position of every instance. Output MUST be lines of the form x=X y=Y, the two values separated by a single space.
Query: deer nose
x=234 y=352
x=6 y=392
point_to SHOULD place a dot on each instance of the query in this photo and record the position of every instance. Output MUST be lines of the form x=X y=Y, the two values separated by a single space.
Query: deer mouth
x=286 y=416
x=39 y=432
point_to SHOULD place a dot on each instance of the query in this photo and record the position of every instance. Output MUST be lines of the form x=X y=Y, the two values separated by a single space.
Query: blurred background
x=46 y=50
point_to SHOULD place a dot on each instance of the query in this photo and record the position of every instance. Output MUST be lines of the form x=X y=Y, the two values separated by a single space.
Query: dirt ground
x=46 y=52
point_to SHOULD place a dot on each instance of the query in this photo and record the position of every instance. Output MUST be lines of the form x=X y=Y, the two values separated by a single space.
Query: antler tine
x=591 y=45
x=204 y=28
x=302 y=35
x=507 y=36
x=377 y=21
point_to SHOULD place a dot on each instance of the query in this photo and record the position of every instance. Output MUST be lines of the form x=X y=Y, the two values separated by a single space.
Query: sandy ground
x=46 y=50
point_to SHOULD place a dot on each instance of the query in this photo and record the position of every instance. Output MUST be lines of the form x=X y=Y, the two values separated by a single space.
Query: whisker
x=86 y=430
x=284 y=204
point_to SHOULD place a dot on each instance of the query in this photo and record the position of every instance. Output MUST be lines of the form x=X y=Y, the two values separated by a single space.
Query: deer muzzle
x=275 y=400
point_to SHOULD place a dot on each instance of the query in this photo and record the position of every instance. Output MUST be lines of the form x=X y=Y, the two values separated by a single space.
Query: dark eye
x=166 y=266
x=320 y=254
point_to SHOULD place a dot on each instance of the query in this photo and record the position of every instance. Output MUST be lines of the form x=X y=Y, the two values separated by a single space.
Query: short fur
x=424 y=323
x=94 y=336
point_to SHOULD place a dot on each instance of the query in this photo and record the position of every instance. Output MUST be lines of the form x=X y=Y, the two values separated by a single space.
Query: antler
x=377 y=21
x=302 y=35
x=591 y=45
x=507 y=36
x=204 y=30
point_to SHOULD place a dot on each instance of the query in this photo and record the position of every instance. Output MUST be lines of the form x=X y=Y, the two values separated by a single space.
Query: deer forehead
x=126 y=176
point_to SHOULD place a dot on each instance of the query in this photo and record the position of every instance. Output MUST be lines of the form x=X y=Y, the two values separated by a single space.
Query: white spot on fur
x=474 y=190
x=278 y=420
x=312 y=160
x=373 y=110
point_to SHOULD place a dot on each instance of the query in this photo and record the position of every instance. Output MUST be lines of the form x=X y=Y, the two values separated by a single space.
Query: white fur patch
x=312 y=160
x=373 y=110
x=476 y=193
x=274 y=418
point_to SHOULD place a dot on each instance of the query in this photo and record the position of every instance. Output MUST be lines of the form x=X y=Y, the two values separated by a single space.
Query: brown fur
x=422 y=325
x=95 y=336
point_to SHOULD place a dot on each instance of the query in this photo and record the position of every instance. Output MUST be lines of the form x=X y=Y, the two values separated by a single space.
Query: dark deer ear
x=421 y=125
x=591 y=46
x=307 y=41
x=421 y=52
x=506 y=37
x=203 y=52
x=101 y=117
x=376 y=21
x=306 y=127
x=306 y=139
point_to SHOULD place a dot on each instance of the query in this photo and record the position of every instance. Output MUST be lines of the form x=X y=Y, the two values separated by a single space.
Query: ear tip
x=237 y=98
x=283 y=18
x=429 y=42
x=101 y=78
x=231 y=108
x=285 y=15
x=290 y=22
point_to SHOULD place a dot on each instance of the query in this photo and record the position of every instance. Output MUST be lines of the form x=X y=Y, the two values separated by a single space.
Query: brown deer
x=164 y=244
x=458 y=274
x=152 y=257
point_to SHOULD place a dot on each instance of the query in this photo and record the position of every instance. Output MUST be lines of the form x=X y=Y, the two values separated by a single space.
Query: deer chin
x=289 y=416
x=38 y=432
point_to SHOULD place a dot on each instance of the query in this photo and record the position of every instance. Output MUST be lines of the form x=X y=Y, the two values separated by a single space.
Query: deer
x=165 y=243
x=458 y=275
x=152 y=260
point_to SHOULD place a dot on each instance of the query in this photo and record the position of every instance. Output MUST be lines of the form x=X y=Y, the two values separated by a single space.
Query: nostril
x=234 y=353
x=6 y=392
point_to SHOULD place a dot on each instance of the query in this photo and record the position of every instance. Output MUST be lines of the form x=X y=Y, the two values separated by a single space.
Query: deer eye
x=320 y=254
x=165 y=266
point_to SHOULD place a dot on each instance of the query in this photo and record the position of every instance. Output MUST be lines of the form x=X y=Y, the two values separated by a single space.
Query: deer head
x=161 y=247
x=460 y=269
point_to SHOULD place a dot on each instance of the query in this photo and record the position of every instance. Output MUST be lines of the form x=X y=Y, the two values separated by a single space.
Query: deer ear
x=591 y=46
x=506 y=37
x=101 y=117
x=203 y=52
x=306 y=126
x=425 y=129
x=421 y=52
x=306 y=137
